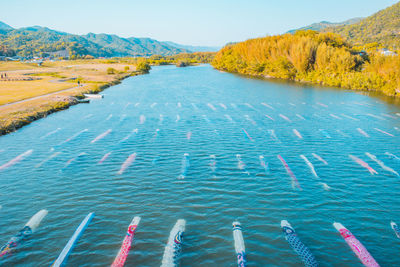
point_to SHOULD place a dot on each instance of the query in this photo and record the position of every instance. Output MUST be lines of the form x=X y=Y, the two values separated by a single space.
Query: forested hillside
x=382 y=28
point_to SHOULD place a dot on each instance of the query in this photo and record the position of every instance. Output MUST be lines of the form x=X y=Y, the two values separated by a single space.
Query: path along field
x=29 y=91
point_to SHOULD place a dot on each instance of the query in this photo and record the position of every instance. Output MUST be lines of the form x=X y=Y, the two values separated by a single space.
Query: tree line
x=309 y=56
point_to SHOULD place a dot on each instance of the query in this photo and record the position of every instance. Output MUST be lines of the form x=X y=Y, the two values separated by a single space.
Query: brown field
x=24 y=94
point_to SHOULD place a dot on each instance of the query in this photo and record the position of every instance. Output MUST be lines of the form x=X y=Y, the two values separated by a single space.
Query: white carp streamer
x=153 y=105
x=194 y=106
x=185 y=166
x=73 y=137
x=250 y=119
x=342 y=133
x=322 y=105
x=325 y=133
x=273 y=135
x=301 y=117
x=229 y=118
x=310 y=165
x=233 y=105
x=223 y=106
x=179 y=105
x=136 y=105
x=379 y=130
x=284 y=117
x=161 y=119
x=174 y=246
x=50 y=133
x=250 y=106
x=109 y=117
x=361 y=131
x=392 y=156
x=375 y=116
x=389 y=116
x=380 y=163
x=206 y=119
x=319 y=158
x=73 y=159
x=189 y=135
x=241 y=165
x=123 y=117
x=211 y=106
x=16 y=159
x=334 y=116
x=349 y=117
x=142 y=119
x=325 y=186
x=104 y=158
x=178 y=118
x=101 y=136
x=128 y=162
x=47 y=159
x=364 y=164
x=213 y=164
x=135 y=131
x=269 y=117
x=264 y=165
x=297 y=134
x=268 y=106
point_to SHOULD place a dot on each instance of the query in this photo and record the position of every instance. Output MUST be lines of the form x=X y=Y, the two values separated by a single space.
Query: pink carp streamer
x=319 y=158
x=16 y=159
x=248 y=136
x=322 y=105
x=101 y=136
x=127 y=163
x=297 y=133
x=364 y=164
x=211 y=106
x=104 y=158
x=223 y=106
x=268 y=106
x=355 y=245
x=74 y=136
x=126 y=244
x=284 y=117
x=362 y=132
x=188 y=135
x=269 y=117
x=295 y=182
x=379 y=130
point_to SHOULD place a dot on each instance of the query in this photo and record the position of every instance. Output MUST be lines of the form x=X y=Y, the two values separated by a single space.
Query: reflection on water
x=249 y=150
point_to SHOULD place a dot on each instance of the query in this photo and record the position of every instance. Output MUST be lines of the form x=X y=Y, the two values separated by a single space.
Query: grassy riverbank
x=31 y=92
x=311 y=57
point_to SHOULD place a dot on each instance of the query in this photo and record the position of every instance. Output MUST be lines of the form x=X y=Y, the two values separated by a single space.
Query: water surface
x=204 y=112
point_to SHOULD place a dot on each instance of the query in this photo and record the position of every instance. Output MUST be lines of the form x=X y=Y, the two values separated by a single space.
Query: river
x=203 y=112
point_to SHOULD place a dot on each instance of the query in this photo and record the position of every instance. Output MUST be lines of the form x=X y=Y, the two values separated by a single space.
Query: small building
x=387 y=52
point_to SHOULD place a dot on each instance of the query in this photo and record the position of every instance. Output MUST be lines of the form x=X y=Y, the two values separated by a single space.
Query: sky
x=190 y=22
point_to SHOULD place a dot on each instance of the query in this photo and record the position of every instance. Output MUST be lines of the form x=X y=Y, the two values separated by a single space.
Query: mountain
x=193 y=48
x=35 y=40
x=382 y=27
x=325 y=24
x=4 y=27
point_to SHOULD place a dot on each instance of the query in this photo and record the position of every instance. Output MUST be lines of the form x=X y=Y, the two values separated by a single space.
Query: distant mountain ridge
x=325 y=24
x=35 y=40
x=382 y=27
x=194 y=48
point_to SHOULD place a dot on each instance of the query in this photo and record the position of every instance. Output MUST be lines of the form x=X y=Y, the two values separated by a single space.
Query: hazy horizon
x=201 y=24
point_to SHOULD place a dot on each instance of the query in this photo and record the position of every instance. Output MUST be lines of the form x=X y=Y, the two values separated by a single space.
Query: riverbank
x=32 y=92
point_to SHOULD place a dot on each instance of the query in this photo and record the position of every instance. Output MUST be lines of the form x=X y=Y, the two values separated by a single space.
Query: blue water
x=209 y=199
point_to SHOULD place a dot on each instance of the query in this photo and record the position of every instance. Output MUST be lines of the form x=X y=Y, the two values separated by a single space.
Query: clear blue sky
x=201 y=22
